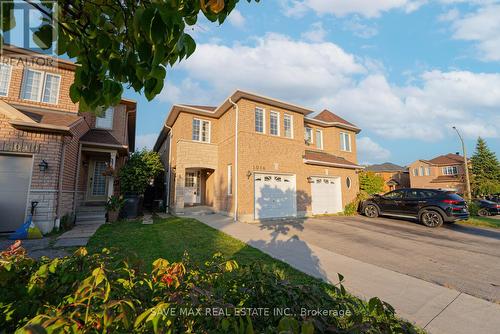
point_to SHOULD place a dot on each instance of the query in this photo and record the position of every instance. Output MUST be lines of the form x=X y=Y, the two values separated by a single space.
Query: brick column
x=111 y=178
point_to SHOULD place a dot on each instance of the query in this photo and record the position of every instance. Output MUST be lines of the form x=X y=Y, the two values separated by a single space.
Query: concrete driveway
x=460 y=257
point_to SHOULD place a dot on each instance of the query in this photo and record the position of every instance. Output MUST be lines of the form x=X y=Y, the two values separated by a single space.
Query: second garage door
x=15 y=174
x=326 y=195
x=275 y=196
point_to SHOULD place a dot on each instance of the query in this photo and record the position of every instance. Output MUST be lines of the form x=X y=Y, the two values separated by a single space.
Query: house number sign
x=19 y=147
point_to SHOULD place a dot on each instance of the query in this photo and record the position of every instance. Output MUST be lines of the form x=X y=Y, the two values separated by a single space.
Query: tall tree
x=485 y=170
x=118 y=42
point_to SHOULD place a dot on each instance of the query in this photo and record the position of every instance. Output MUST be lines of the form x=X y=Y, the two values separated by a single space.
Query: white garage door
x=326 y=195
x=15 y=174
x=275 y=196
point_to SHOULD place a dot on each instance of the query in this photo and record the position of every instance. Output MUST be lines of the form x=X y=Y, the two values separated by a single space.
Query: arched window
x=348 y=182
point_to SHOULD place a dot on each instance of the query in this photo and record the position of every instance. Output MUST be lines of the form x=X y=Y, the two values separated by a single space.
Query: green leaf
x=189 y=45
x=43 y=37
x=158 y=30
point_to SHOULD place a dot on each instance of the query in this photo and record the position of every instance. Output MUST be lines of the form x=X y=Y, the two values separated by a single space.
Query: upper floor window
x=5 y=71
x=106 y=120
x=427 y=171
x=288 y=125
x=415 y=171
x=450 y=170
x=319 y=139
x=345 y=141
x=308 y=135
x=259 y=120
x=40 y=86
x=274 y=123
x=422 y=171
x=201 y=130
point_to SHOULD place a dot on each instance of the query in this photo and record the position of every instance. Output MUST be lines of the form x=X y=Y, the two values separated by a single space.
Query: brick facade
x=257 y=153
x=53 y=133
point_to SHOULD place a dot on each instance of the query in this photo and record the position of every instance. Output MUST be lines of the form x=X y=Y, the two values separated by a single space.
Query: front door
x=192 y=193
x=97 y=184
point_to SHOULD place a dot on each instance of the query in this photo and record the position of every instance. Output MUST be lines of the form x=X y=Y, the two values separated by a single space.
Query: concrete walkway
x=436 y=308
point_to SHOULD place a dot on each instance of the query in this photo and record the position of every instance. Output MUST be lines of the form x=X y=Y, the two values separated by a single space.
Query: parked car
x=487 y=208
x=431 y=207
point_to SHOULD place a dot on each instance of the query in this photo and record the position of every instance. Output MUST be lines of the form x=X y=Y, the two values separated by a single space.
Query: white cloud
x=236 y=19
x=316 y=34
x=360 y=29
x=371 y=152
x=451 y=15
x=323 y=75
x=482 y=27
x=146 y=140
x=366 y=8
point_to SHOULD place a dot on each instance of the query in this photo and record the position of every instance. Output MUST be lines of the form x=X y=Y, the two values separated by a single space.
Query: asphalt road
x=460 y=257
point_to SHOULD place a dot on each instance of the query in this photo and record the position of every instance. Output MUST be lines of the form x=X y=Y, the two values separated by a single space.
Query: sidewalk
x=436 y=308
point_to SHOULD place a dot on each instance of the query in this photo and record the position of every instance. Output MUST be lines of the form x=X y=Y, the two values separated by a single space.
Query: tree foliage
x=371 y=183
x=141 y=168
x=485 y=170
x=119 y=42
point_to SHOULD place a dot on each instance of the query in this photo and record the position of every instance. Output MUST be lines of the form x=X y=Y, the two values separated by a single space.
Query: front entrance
x=192 y=187
x=97 y=188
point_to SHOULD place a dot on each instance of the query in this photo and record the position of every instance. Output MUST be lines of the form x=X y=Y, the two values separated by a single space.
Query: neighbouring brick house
x=395 y=177
x=256 y=157
x=445 y=172
x=49 y=152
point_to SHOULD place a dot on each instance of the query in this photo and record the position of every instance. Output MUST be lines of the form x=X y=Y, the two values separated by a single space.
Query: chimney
x=457 y=153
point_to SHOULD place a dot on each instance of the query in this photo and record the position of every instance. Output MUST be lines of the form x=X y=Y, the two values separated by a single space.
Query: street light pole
x=467 y=181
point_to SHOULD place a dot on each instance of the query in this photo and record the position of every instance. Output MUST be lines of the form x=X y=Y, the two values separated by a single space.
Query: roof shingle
x=327 y=158
x=385 y=167
x=328 y=116
x=447 y=159
x=100 y=137
x=52 y=118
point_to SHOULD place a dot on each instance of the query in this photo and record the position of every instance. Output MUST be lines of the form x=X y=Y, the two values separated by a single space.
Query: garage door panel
x=326 y=195
x=15 y=174
x=275 y=196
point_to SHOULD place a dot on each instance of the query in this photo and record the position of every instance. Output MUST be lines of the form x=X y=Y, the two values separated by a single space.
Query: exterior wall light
x=43 y=166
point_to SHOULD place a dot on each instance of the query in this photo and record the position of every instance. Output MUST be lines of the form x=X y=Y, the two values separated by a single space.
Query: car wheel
x=431 y=218
x=371 y=211
x=483 y=213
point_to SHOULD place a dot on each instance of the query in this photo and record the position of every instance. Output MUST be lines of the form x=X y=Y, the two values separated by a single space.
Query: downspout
x=169 y=174
x=59 y=188
x=77 y=177
x=235 y=195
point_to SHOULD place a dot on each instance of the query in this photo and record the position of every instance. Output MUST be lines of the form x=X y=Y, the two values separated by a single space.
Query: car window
x=394 y=194
x=426 y=193
x=413 y=194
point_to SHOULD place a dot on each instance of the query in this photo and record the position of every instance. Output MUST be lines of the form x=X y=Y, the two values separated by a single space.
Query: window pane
x=106 y=120
x=319 y=139
x=308 y=135
x=31 y=86
x=51 y=88
x=4 y=79
x=259 y=120
x=273 y=125
x=287 y=124
x=196 y=129
x=422 y=171
x=205 y=131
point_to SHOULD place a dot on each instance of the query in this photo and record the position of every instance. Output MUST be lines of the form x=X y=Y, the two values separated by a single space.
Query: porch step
x=196 y=211
x=90 y=209
x=90 y=217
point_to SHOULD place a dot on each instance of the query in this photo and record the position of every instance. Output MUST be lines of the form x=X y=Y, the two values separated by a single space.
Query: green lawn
x=169 y=238
x=483 y=221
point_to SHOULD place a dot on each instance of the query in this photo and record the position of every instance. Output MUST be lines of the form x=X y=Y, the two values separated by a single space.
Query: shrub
x=140 y=169
x=67 y=222
x=371 y=183
x=473 y=208
x=353 y=208
x=95 y=294
x=115 y=203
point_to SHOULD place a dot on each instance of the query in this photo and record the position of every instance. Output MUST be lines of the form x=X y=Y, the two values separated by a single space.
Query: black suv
x=429 y=206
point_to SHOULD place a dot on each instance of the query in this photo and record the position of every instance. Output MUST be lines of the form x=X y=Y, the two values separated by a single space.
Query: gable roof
x=329 y=117
x=447 y=159
x=385 y=167
x=217 y=112
x=322 y=158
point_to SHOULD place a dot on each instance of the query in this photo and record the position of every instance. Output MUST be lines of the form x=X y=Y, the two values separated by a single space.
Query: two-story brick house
x=256 y=157
x=445 y=172
x=49 y=152
x=395 y=176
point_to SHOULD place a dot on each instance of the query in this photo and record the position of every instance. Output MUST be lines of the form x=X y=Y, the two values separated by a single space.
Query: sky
x=404 y=71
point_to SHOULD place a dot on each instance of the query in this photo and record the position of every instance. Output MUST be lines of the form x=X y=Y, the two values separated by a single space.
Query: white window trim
x=445 y=170
x=9 y=77
x=291 y=125
x=40 y=89
x=112 y=120
x=58 y=88
x=263 y=119
x=321 y=136
x=230 y=180
x=312 y=134
x=201 y=120
x=277 y=123
x=349 y=140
